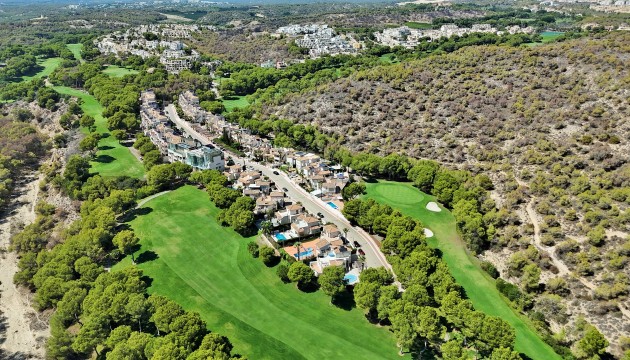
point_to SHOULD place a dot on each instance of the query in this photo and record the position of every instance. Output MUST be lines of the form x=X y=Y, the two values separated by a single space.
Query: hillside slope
x=548 y=124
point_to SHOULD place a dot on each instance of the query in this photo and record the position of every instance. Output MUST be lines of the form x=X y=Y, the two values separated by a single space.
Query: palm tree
x=297 y=245
x=266 y=227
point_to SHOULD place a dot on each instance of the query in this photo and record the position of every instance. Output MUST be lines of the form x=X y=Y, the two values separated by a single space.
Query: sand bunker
x=428 y=233
x=433 y=206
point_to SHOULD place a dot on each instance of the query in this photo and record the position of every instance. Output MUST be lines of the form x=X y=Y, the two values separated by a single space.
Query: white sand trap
x=428 y=233
x=433 y=206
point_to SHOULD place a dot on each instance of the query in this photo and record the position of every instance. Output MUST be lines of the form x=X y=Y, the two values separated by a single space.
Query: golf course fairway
x=480 y=287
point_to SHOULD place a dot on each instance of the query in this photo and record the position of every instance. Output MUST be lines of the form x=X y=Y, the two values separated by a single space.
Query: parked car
x=361 y=252
x=320 y=215
x=285 y=189
x=356 y=244
x=276 y=173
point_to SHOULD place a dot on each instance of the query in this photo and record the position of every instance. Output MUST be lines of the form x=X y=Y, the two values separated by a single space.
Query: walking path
x=149 y=198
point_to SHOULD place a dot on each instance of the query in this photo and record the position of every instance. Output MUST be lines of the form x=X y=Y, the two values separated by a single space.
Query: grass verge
x=206 y=268
x=480 y=288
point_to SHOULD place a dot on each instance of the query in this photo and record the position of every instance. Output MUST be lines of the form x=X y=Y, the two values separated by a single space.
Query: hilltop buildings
x=410 y=38
x=154 y=40
x=321 y=40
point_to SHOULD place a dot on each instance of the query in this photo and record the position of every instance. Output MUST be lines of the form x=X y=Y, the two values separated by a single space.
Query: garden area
x=207 y=268
x=479 y=286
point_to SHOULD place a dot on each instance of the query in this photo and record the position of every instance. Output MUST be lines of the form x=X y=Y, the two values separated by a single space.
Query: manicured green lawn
x=547 y=36
x=389 y=58
x=418 y=25
x=112 y=159
x=479 y=286
x=49 y=65
x=76 y=50
x=117 y=71
x=238 y=101
x=206 y=268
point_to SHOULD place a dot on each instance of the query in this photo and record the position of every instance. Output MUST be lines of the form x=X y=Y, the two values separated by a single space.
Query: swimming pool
x=280 y=236
x=303 y=254
x=332 y=205
x=350 y=278
x=331 y=254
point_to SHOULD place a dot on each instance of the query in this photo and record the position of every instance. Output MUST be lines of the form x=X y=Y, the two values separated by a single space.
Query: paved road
x=171 y=112
x=373 y=255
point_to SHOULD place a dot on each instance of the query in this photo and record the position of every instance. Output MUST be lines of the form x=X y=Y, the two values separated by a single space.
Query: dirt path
x=22 y=333
x=558 y=263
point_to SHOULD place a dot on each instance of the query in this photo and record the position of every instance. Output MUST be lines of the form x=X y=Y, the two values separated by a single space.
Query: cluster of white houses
x=174 y=144
x=321 y=40
x=324 y=245
x=410 y=38
x=154 y=40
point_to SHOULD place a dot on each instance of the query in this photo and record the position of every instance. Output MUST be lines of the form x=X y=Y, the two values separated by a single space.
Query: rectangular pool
x=332 y=205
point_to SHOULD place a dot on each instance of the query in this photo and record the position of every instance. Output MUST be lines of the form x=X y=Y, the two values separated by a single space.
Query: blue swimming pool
x=280 y=236
x=350 y=278
x=331 y=254
x=332 y=205
x=304 y=254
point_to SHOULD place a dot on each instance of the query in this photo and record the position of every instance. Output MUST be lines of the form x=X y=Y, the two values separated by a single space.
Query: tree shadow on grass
x=147 y=280
x=132 y=214
x=345 y=301
x=370 y=180
x=310 y=287
x=105 y=147
x=104 y=159
x=146 y=256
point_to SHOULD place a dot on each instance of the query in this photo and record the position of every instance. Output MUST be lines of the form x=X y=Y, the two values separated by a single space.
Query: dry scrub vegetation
x=548 y=124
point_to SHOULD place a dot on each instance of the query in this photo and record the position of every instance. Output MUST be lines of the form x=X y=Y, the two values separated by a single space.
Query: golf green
x=465 y=268
x=206 y=268
x=117 y=71
x=112 y=159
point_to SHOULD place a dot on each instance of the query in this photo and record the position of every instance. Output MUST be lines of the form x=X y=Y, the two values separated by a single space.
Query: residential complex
x=154 y=40
x=410 y=38
x=173 y=143
x=321 y=40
